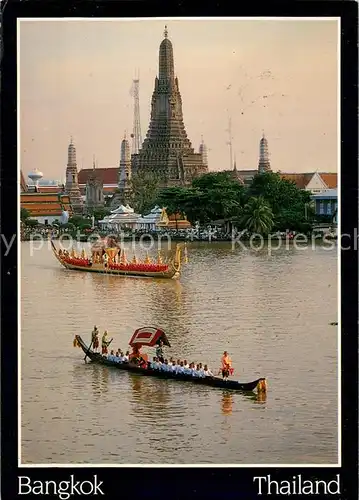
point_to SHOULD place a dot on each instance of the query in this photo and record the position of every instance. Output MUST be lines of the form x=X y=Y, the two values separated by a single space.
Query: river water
x=271 y=312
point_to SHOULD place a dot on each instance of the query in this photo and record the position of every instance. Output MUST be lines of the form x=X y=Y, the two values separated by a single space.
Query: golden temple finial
x=134 y=260
x=165 y=33
x=123 y=257
x=83 y=254
x=159 y=258
x=147 y=259
x=73 y=253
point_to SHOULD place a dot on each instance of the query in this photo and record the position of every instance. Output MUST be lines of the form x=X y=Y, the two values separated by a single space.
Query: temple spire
x=166 y=65
x=93 y=162
x=264 y=163
x=72 y=185
x=235 y=163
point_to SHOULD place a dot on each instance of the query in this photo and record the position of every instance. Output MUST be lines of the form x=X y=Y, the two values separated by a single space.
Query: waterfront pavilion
x=123 y=217
x=151 y=221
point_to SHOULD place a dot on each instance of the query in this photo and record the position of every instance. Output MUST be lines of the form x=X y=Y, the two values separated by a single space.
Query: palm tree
x=257 y=216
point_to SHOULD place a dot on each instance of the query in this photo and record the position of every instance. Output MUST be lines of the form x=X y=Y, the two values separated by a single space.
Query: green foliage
x=79 y=222
x=269 y=204
x=290 y=205
x=24 y=214
x=212 y=196
x=144 y=191
x=100 y=213
x=257 y=216
x=31 y=222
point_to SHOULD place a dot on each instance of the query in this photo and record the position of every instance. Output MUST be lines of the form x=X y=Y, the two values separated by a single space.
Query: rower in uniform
x=94 y=338
x=104 y=343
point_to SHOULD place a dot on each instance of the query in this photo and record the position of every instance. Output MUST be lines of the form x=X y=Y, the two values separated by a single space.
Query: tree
x=100 y=213
x=290 y=204
x=144 y=187
x=24 y=214
x=257 y=216
x=31 y=222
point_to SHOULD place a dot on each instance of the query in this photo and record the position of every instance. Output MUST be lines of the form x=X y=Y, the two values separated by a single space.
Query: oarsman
x=207 y=372
x=159 y=351
x=200 y=370
x=104 y=343
x=180 y=369
x=94 y=338
x=226 y=363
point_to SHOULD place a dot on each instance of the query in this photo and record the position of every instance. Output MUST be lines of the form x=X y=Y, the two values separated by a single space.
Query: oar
x=88 y=350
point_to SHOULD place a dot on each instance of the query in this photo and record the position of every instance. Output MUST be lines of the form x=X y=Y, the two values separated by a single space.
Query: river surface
x=271 y=312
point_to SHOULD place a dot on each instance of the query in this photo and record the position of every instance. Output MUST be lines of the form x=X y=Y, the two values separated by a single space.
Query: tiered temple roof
x=45 y=204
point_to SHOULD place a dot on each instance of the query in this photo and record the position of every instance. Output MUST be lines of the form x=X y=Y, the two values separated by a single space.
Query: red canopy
x=148 y=336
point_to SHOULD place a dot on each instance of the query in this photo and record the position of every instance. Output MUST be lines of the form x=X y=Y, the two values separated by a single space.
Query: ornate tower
x=235 y=173
x=124 y=182
x=166 y=151
x=264 y=164
x=94 y=190
x=203 y=152
x=72 y=184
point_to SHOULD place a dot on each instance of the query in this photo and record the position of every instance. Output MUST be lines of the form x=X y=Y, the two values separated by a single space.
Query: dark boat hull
x=209 y=381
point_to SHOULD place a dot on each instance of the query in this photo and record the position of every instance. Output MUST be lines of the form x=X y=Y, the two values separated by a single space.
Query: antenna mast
x=229 y=143
x=136 y=133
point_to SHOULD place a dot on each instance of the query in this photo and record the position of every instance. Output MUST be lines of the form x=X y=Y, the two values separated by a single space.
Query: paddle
x=88 y=350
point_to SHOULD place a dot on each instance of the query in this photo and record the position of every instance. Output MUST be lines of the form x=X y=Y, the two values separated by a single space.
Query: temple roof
x=153 y=217
x=109 y=176
x=123 y=210
x=42 y=204
x=302 y=180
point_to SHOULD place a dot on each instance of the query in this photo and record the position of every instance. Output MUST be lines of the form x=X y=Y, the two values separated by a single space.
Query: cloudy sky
x=76 y=75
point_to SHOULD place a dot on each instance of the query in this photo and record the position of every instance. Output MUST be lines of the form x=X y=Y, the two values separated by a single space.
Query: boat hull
x=208 y=381
x=172 y=273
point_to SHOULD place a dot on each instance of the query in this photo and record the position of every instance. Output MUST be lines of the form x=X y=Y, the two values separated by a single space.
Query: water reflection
x=227 y=403
x=100 y=380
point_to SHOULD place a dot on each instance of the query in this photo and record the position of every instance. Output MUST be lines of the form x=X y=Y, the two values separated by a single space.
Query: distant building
x=123 y=217
x=94 y=190
x=315 y=182
x=326 y=203
x=150 y=221
x=46 y=207
x=72 y=184
x=264 y=163
x=123 y=191
x=23 y=185
x=109 y=177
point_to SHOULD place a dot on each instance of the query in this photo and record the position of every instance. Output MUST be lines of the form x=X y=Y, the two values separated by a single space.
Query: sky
x=76 y=76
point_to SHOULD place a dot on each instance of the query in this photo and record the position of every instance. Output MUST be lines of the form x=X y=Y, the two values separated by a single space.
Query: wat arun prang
x=167 y=152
